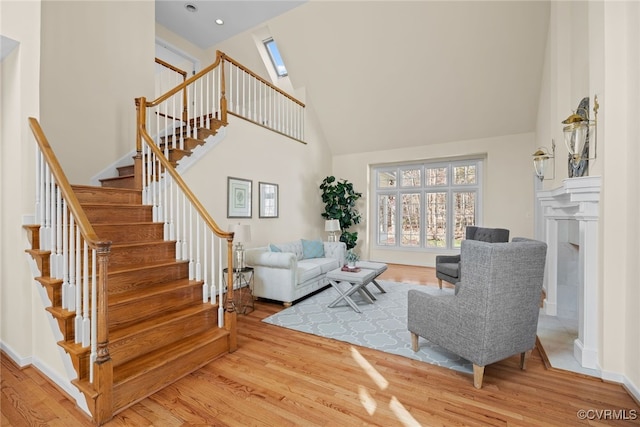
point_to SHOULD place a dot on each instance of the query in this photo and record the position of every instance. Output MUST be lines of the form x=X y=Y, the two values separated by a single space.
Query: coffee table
x=357 y=281
x=378 y=267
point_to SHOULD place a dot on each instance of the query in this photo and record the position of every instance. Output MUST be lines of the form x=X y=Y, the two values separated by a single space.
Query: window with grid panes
x=426 y=205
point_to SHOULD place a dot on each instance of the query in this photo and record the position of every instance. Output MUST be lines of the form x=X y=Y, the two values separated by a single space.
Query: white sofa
x=289 y=271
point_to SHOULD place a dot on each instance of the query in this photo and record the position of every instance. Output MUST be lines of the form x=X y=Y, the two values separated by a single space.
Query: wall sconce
x=241 y=234
x=577 y=132
x=332 y=225
x=541 y=160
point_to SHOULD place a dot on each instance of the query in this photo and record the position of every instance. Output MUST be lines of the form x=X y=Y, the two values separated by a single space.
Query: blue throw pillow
x=312 y=249
x=274 y=248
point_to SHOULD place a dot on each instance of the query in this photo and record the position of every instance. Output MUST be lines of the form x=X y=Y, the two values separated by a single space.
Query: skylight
x=276 y=59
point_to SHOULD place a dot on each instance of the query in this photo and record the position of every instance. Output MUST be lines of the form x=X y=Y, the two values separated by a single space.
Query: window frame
x=275 y=62
x=398 y=190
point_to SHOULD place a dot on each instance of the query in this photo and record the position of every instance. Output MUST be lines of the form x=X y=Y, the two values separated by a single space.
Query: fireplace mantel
x=577 y=199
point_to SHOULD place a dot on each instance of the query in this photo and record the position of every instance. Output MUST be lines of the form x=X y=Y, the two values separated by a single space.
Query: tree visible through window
x=426 y=205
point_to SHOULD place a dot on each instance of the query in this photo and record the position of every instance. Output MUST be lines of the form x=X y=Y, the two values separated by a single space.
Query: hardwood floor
x=280 y=377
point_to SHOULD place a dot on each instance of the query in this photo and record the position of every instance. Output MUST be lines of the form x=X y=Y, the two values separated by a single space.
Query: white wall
x=20 y=21
x=594 y=48
x=79 y=77
x=616 y=29
x=91 y=72
x=254 y=153
x=507 y=191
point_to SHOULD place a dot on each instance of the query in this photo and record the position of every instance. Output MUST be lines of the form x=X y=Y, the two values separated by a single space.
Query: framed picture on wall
x=238 y=198
x=268 y=200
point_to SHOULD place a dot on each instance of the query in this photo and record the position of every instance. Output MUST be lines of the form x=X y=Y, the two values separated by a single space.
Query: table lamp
x=242 y=234
x=332 y=225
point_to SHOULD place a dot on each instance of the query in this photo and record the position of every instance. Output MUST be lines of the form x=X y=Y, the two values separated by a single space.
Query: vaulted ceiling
x=390 y=74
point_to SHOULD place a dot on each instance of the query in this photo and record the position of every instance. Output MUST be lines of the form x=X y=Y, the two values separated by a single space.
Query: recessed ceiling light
x=219 y=21
x=191 y=7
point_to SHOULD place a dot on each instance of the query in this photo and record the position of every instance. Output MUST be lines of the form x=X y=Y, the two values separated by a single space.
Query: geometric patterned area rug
x=381 y=325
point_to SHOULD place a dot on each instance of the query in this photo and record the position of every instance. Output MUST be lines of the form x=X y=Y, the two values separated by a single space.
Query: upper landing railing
x=225 y=87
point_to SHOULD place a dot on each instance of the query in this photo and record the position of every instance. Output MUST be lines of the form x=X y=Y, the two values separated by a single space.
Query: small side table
x=242 y=289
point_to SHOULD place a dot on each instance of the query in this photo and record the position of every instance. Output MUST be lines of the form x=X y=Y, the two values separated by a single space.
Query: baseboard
x=629 y=386
x=22 y=362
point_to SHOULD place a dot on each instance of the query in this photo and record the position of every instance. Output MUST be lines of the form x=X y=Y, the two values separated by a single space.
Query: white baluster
x=145 y=190
x=46 y=238
x=205 y=284
x=166 y=195
x=220 y=290
x=66 y=291
x=178 y=226
x=53 y=264
x=191 y=242
x=185 y=241
x=212 y=270
x=198 y=265
x=72 y=264
x=154 y=186
x=172 y=226
x=38 y=206
x=79 y=289
x=209 y=107
x=86 y=321
x=244 y=94
x=58 y=236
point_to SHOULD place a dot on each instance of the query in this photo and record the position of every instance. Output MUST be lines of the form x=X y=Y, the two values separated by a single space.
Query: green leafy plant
x=340 y=199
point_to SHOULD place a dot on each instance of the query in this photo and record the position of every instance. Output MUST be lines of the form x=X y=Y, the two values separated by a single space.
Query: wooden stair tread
x=48 y=280
x=74 y=348
x=37 y=252
x=164 y=355
x=105 y=189
x=115 y=178
x=153 y=323
x=142 y=244
x=61 y=313
x=136 y=294
x=146 y=266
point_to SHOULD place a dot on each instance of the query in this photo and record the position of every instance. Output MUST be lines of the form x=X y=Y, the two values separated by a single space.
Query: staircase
x=127 y=265
x=159 y=328
x=169 y=145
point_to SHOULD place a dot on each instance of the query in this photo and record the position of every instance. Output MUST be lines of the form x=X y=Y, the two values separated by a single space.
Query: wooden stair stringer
x=179 y=158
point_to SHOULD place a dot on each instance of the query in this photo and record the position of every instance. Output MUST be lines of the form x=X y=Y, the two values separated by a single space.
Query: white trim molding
x=577 y=199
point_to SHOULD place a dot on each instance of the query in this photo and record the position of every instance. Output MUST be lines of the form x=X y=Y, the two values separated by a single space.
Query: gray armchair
x=494 y=315
x=448 y=266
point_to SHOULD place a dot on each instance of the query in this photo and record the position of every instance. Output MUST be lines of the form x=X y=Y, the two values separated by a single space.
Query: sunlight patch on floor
x=375 y=376
x=367 y=400
x=369 y=403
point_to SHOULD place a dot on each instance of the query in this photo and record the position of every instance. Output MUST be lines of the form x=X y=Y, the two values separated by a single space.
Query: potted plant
x=339 y=199
x=351 y=258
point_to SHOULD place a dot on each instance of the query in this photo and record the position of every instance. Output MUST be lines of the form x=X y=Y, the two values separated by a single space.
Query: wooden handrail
x=219 y=56
x=172 y=67
x=86 y=229
x=226 y=57
x=204 y=214
x=183 y=186
x=183 y=85
x=103 y=375
x=184 y=77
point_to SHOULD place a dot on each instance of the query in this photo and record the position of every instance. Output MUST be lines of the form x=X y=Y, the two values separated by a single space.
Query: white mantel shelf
x=577 y=199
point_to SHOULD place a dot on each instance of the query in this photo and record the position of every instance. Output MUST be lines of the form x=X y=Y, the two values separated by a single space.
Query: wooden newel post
x=223 y=92
x=103 y=367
